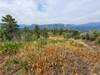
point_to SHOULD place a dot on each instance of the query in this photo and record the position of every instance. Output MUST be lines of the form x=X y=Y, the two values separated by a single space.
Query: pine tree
x=9 y=26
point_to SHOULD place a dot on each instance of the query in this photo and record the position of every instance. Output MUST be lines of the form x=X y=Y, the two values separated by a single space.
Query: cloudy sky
x=51 y=11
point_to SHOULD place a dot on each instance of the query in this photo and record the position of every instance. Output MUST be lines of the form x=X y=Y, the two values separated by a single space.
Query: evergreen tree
x=9 y=26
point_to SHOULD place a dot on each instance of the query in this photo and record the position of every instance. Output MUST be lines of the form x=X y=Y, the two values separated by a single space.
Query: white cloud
x=51 y=11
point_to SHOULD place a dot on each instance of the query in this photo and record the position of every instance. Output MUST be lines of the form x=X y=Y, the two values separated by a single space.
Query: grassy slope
x=72 y=57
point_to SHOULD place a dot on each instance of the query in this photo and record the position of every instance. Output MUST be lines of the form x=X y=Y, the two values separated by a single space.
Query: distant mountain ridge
x=82 y=27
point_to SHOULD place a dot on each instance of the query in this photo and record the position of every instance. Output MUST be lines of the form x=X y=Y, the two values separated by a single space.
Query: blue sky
x=51 y=11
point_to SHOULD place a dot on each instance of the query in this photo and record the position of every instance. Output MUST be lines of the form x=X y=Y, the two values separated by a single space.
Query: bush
x=67 y=35
x=98 y=40
x=72 y=34
x=41 y=42
x=9 y=47
x=91 y=35
x=84 y=36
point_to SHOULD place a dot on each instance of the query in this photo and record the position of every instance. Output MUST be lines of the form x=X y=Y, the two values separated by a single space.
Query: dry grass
x=59 y=38
x=72 y=57
x=69 y=58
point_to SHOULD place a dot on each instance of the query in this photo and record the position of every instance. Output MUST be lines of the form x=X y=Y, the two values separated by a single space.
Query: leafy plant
x=9 y=47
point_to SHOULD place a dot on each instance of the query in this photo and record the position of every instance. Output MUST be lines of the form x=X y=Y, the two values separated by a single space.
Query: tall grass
x=9 y=47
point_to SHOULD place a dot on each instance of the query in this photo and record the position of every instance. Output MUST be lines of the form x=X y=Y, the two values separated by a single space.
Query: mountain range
x=82 y=27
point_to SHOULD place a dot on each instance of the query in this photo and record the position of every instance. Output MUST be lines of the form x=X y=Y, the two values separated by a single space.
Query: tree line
x=9 y=30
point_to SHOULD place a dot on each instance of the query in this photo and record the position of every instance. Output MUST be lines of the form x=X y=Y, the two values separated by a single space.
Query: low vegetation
x=47 y=51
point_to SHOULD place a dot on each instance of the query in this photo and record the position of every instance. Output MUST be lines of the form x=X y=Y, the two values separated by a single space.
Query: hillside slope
x=73 y=57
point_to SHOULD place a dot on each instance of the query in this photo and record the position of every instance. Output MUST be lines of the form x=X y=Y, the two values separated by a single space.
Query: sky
x=51 y=11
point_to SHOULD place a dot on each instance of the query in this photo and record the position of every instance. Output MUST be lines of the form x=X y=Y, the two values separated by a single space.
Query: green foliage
x=24 y=65
x=9 y=47
x=91 y=35
x=61 y=31
x=44 y=33
x=9 y=31
x=71 y=34
x=84 y=35
x=1 y=31
x=67 y=35
x=97 y=40
x=9 y=64
x=26 y=34
x=41 y=42
x=14 y=63
x=9 y=26
x=37 y=32
x=54 y=31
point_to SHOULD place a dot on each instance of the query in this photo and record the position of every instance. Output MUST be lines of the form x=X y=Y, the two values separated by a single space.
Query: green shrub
x=84 y=36
x=72 y=34
x=97 y=40
x=9 y=47
x=67 y=35
x=91 y=35
x=34 y=37
x=41 y=42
